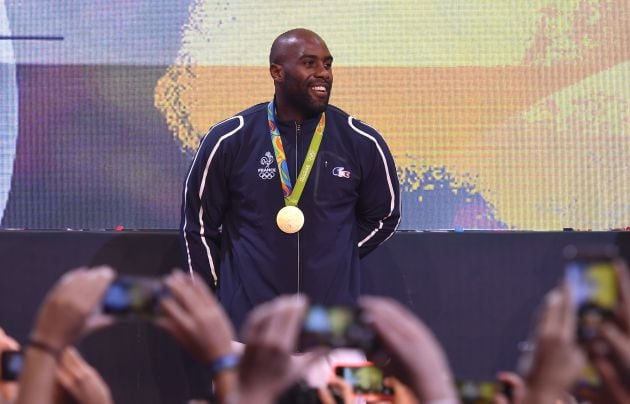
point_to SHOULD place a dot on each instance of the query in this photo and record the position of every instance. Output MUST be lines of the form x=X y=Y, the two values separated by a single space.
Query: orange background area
x=422 y=112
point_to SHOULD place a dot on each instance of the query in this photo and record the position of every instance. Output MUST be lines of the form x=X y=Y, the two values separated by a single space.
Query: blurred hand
x=557 y=359
x=613 y=364
x=341 y=387
x=416 y=357
x=517 y=385
x=402 y=393
x=69 y=308
x=81 y=380
x=267 y=369
x=8 y=389
x=195 y=318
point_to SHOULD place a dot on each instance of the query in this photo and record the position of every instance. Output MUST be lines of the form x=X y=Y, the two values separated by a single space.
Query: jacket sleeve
x=378 y=208
x=204 y=201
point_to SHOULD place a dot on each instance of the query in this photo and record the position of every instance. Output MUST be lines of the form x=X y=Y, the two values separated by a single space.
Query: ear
x=277 y=72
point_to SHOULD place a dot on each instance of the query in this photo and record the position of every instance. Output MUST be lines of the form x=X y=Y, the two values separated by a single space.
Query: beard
x=301 y=98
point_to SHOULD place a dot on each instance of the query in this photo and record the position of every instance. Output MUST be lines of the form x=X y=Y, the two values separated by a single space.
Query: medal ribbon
x=292 y=195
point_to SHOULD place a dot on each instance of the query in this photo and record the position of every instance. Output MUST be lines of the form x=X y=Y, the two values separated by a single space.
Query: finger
x=389 y=305
x=344 y=388
x=551 y=314
x=69 y=357
x=393 y=326
x=176 y=313
x=393 y=316
x=567 y=314
x=64 y=377
x=182 y=289
x=165 y=322
x=257 y=319
x=96 y=321
x=611 y=380
x=619 y=342
x=8 y=343
x=284 y=324
x=68 y=276
x=623 y=278
x=201 y=288
x=268 y=331
x=516 y=382
x=89 y=286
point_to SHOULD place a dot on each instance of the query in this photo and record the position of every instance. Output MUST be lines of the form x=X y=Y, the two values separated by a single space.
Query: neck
x=286 y=111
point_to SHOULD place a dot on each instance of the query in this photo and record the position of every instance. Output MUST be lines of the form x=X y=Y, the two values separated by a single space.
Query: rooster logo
x=266 y=160
x=267 y=172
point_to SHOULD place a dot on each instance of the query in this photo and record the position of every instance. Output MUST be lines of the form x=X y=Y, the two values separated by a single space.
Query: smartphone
x=133 y=296
x=590 y=274
x=366 y=380
x=11 y=363
x=336 y=327
x=481 y=391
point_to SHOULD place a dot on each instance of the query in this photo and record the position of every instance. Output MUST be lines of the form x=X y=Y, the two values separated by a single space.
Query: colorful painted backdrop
x=500 y=115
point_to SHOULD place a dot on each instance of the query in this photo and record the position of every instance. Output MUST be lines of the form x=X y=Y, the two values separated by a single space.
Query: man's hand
x=557 y=360
x=195 y=318
x=81 y=380
x=270 y=333
x=416 y=356
x=69 y=308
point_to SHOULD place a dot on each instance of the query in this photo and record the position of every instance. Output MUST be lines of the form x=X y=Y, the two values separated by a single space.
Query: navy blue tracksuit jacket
x=232 y=194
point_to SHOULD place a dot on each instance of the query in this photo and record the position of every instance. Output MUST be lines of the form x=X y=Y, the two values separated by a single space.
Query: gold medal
x=290 y=219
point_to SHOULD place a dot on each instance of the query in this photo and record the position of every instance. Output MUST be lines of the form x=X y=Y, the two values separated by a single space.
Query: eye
x=309 y=63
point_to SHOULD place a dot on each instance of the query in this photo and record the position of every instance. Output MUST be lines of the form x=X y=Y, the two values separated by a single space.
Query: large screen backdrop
x=500 y=115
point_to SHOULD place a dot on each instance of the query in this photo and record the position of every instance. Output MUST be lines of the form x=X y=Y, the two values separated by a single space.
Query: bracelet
x=45 y=347
x=222 y=363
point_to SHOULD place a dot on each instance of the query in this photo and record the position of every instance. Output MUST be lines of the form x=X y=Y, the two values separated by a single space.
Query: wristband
x=45 y=347
x=222 y=363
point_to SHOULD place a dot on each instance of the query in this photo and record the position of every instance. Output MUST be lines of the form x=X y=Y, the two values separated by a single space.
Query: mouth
x=320 y=91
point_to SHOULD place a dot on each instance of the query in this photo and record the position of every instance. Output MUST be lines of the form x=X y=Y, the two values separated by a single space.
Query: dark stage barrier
x=476 y=290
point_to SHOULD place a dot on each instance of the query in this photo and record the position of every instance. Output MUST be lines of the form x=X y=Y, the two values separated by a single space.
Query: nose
x=323 y=71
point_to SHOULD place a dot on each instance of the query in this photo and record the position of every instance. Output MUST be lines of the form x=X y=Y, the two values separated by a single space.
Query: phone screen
x=132 y=295
x=12 y=363
x=479 y=392
x=365 y=379
x=593 y=284
x=591 y=276
x=335 y=327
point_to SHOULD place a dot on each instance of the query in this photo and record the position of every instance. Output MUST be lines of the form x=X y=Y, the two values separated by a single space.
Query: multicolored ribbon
x=292 y=196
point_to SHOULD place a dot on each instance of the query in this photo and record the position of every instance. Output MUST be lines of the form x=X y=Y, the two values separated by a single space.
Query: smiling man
x=288 y=195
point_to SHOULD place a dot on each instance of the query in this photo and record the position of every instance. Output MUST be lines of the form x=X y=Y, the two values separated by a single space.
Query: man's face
x=308 y=78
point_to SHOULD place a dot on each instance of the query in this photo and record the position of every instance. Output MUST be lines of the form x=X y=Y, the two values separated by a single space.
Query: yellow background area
x=524 y=103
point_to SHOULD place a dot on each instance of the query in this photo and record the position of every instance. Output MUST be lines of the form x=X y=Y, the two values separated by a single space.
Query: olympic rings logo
x=266 y=173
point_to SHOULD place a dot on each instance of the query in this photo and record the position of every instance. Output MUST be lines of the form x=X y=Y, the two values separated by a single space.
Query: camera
x=133 y=296
x=365 y=379
x=11 y=363
x=590 y=274
x=336 y=327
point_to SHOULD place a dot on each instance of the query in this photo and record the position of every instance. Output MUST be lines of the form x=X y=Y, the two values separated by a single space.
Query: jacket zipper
x=298 y=127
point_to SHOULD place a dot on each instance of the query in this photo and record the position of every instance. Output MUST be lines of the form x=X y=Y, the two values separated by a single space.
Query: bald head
x=282 y=45
x=300 y=65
